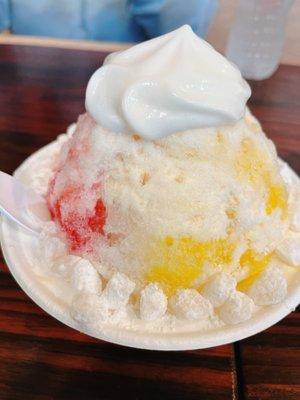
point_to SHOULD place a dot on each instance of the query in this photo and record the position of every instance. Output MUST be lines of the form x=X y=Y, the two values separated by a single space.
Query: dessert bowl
x=18 y=250
x=173 y=224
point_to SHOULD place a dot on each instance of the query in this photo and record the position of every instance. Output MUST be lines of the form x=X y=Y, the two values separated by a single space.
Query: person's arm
x=157 y=17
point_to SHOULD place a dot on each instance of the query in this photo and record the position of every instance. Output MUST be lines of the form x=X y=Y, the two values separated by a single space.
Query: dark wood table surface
x=41 y=92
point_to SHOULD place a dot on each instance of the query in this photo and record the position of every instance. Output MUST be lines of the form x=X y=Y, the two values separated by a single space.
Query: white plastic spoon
x=22 y=204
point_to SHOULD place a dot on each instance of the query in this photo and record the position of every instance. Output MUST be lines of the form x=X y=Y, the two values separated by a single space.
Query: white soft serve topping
x=165 y=85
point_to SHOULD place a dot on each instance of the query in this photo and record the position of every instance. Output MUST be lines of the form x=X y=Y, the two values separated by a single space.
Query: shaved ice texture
x=74 y=203
x=174 y=211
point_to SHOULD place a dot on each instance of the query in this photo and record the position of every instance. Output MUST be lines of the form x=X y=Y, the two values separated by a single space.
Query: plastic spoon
x=22 y=204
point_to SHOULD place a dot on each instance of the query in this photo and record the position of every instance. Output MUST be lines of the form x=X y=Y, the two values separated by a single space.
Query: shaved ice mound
x=175 y=211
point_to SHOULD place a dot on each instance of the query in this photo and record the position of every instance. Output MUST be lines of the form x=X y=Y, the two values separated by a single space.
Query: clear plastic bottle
x=257 y=36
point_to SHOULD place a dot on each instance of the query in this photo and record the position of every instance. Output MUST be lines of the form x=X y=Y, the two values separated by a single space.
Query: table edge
x=63 y=43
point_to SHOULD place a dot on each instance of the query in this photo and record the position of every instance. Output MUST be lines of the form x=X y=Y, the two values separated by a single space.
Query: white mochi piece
x=88 y=309
x=85 y=278
x=269 y=288
x=237 y=308
x=189 y=304
x=118 y=290
x=153 y=303
x=289 y=251
x=218 y=288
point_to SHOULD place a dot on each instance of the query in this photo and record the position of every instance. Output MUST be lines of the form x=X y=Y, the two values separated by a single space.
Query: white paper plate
x=16 y=242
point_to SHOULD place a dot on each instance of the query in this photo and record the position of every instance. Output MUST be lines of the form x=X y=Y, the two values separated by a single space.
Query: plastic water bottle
x=257 y=36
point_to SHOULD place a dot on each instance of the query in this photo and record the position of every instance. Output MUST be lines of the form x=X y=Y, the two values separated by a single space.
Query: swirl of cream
x=168 y=84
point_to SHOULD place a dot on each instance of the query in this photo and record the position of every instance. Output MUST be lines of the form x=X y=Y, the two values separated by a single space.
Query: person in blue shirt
x=107 y=20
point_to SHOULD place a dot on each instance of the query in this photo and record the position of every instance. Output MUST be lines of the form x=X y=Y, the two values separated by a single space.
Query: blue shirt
x=107 y=20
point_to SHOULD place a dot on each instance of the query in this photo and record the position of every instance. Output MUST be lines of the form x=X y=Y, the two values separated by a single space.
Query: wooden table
x=41 y=92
